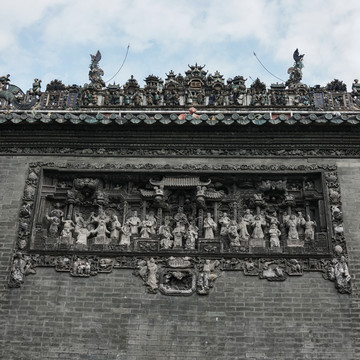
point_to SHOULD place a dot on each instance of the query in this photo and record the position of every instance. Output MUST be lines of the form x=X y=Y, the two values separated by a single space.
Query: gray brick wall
x=110 y=316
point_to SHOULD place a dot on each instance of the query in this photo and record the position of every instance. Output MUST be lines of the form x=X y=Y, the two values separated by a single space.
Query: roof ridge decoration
x=196 y=88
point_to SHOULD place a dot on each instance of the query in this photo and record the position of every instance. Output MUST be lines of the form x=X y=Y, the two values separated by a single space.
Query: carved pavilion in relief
x=179 y=225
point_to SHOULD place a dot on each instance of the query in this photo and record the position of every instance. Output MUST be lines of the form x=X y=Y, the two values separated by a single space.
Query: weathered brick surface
x=110 y=316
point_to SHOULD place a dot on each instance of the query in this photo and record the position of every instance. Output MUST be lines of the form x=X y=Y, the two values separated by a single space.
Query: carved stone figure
x=115 y=227
x=294 y=267
x=285 y=217
x=339 y=272
x=36 y=88
x=209 y=227
x=63 y=264
x=181 y=218
x=21 y=267
x=233 y=235
x=80 y=223
x=274 y=233
x=81 y=267
x=336 y=212
x=152 y=280
x=224 y=221
x=334 y=196
x=125 y=236
x=300 y=223
x=257 y=225
x=152 y=221
x=339 y=229
x=134 y=222
x=273 y=219
x=191 y=235
x=166 y=236
x=310 y=226
x=292 y=224
x=105 y=265
x=166 y=241
x=146 y=228
x=68 y=227
x=178 y=233
x=273 y=271
x=248 y=216
x=54 y=225
x=82 y=235
x=243 y=229
x=25 y=210
x=207 y=277
x=101 y=231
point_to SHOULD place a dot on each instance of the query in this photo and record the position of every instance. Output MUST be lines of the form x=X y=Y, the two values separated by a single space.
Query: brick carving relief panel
x=179 y=227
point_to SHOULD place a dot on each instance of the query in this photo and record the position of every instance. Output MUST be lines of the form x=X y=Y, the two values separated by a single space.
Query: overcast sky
x=53 y=39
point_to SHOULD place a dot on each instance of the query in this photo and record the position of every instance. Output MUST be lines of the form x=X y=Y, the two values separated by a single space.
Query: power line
x=267 y=69
x=127 y=51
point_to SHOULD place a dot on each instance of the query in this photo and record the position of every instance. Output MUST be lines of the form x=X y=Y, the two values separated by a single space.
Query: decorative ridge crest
x=196 y=88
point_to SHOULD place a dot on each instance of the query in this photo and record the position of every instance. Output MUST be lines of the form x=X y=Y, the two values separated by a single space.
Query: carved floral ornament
x=180 y=227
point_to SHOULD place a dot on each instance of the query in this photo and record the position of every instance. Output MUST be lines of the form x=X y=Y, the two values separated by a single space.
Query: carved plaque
x=179 y=227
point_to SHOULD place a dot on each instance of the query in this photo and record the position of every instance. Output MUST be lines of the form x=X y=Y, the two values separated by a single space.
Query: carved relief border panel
x=179 y=227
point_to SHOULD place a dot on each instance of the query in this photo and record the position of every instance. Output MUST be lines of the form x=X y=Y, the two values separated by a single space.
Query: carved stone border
x=200 y=272
x=272 y=151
